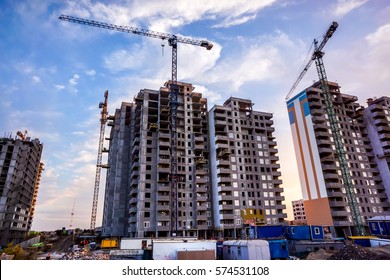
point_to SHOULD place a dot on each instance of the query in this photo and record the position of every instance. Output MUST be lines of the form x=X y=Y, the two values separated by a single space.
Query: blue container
x=278 y=248
x=364 y=242
x=317 y=233
x=219 y=246
x=297 y=232
x=379 y=227
x=265 y=232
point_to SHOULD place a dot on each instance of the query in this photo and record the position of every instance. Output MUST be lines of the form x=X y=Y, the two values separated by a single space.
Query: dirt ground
x=353 y=252
x=62 y=245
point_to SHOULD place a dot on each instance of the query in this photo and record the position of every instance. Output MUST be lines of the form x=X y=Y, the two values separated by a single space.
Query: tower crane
x=99 y=165
x=340 y=150
x=173 y=40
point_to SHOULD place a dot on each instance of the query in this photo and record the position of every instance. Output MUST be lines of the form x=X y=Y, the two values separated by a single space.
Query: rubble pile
x=354 y=252
x=321 y=254
x=85 y=255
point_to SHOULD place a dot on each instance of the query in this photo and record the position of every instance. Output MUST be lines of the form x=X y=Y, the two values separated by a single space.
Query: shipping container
x=246 y=250
x=109 y=243
x=315 y=233
x=184 y=249
x=269 y=231
x=278 y=249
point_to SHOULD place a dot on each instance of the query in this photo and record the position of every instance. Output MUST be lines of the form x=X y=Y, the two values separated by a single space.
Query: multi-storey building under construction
x=298 y=210
x=324 y=193
x=242 y=157
x=244 y=167
x=20 y=175
x=377 y=122
x=115 y=210
x=151 y=193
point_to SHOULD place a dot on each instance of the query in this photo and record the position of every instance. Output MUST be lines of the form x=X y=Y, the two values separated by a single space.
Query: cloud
x=164 y=15
x=255 y=60
x=59 y=87
x=69 y=176
x=212 y=97
x=74 y=81
x=24 y=68
x=345 y=6
x=126 y=60
x=361 y=68
x=379 y=37
x=36 y=79
x=234 y=21
x=90 y=72
x=378 y=52
x=78 y=133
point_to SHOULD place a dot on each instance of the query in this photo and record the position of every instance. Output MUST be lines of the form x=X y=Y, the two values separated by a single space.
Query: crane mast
x=174 y=92
x=99 y=165
x=340 y=149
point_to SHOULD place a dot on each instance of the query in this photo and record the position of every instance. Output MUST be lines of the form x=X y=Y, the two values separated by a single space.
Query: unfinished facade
x=298 y=210
x=20 y=175
x=115 y=211
x=151 y=192
x=377 y=122
x=324 y=195
x=244 y=166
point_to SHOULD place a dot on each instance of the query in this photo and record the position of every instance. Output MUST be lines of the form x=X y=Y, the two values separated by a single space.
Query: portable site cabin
x=184 y=249
x=278 y=248
x=246 y=250
x=133 y=249
x=135 y=243
x=269 y=231
x=379 y=225
x=314 y=233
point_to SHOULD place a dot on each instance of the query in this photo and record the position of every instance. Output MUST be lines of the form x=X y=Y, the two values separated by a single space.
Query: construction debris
x=356 y=252
x=85 y=255
x=321 y=254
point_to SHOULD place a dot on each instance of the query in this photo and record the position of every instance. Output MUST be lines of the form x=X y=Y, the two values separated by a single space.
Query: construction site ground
x=352 y=252
x=64 y=248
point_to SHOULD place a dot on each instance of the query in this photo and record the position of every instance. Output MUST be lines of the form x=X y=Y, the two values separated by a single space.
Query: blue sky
x=53 y=74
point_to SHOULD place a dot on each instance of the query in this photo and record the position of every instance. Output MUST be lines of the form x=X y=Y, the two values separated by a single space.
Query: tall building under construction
x=226 y=162
x=139 y=185
x=20 y=175
x=244 y=167
x=324 y=193
x=377 y=122
x=115 y=209
x=157 y=207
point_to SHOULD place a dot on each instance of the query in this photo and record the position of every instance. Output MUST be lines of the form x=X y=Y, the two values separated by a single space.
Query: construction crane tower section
x=99 y=165
x=340 y=150
x=173 y=40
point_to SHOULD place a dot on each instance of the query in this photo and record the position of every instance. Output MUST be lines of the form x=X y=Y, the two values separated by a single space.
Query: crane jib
x=138 y=31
